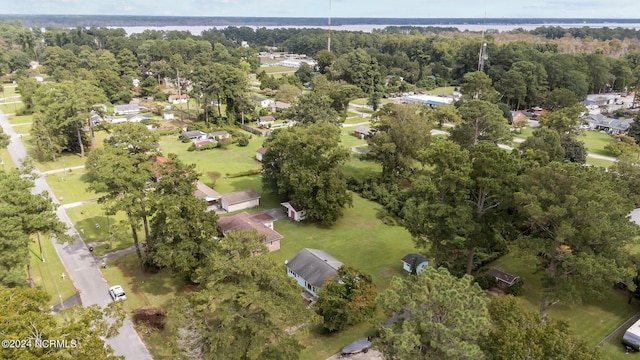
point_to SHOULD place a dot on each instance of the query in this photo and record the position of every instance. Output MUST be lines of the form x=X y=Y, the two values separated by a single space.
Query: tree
x=304 y=73
x=245 y=308
x=123 y=171
x=26 y=317
x=324 y=59
x=436 y=316
x=519 y=334
x=634 y=129
x=182 y=231
x=574 y=150
x=482 y=121
x=22 y=215
x=288 y=93
x=401 y=132
x=357 y=68
x=565 y=121
x=575 y=229
x=459 y=206
x=561 y=98
x=543 y=146
x=304 y=165
x=444 y=114
x=478 y=85
x=347 y=300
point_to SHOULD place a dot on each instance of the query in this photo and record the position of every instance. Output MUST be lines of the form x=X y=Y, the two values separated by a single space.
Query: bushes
x=152 y=317
x=193 y=147
x=486 y=281
x=516 y=289
x=243 y=141
x=245 y=173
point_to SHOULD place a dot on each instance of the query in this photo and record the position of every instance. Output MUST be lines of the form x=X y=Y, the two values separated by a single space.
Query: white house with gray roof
x=311 y=268
x=610 y=125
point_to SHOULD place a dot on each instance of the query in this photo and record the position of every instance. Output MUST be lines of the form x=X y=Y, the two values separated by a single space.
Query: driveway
x=81 y=267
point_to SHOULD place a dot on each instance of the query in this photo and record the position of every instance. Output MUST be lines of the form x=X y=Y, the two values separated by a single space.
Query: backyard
x=358 y=239
x=47 y=274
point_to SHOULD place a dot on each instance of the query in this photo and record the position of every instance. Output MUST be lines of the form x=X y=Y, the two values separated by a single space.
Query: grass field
x=347 y=139
x=595 y=142
x=85 y=218
x=592 y=321
x=22 y=119
x=8 y=90
x=356 y=119
x=363 y=101
x=10 y=108
x=599 y=162
x=5 y=160
x=71 y=186
x=278 y=69
x=48 y=274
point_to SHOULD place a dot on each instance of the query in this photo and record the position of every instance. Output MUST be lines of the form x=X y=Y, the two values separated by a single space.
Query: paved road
x=82 y=268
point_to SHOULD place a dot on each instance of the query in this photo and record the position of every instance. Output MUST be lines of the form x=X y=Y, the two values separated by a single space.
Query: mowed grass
x=595 y=142
x=358 y=168
x=48 y=274
x=599 y=162
x=71 y=186
x=5 y=160
x=8 y=90
x=10 y=108
x=21 y=120
x=277 y=69
x=85 y=218
x=22 y=129
x=347 y=139
x=592 y=320
x=363 y=101
x=233 y=160
x=358 y=239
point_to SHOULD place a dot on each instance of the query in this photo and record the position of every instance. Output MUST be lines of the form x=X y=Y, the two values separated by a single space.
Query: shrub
x=243 y=141
x=516 y=289
x=486 y=281
x=245 y=173
x=208 y=146
x=224 y=143
x=185 y=139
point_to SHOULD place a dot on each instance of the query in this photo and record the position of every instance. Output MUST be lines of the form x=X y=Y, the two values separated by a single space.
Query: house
x=167 y=116
x=260 y=152
x=126 y=109
x=276 y=106
x=518 y=117
x=265 y=121
x=206 y=193
x=264 y=102
x=194 y=135
x=217 y=135
x=362 y=131
x=179 y=99
x=417 y=260
x=607 y=124
x=311 y=268
x=294 y=211
x=262 y=223
x=503 y=278
x=295 y=63
x=240 y=200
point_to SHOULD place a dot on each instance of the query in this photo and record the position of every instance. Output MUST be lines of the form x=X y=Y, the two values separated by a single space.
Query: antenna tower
x=483 y=56
x=329 y=35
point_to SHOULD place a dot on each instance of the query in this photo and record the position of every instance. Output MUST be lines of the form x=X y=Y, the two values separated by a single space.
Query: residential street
x=82 y=268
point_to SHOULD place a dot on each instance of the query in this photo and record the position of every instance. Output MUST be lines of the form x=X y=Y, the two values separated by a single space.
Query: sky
x=339 y=8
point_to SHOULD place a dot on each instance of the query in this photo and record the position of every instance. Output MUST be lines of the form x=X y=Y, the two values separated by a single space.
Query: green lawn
x=592 y=321
x=276 y=68
x=48 y=274
x=71 y=186
x=595 y=142
x=357 y=119
x=22 y=119
x=358 y=239
x=22 y=129
x=234 y=159
x=10 y=108
x=363 y=101
x=8 y=91
x=599 y=162
x=85 y=218
x=360 y=169
x=347 y=139
x=5 y=160
x=522 y=133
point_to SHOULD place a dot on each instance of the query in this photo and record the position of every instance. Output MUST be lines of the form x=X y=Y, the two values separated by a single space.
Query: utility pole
x=329 y=37
x=179 y=94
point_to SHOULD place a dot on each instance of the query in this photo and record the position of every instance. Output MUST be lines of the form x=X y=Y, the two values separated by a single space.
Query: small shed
x=265 y=121
x=240 y=200
x=294 y=211
x=503 y=278
x=417 y=260
x=260 y=152
x=362 y=131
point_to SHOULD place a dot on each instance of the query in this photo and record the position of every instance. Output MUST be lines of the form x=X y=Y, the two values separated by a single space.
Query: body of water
x=197 y=30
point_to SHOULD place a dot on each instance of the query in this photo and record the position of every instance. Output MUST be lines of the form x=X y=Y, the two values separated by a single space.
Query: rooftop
x=237 y=197
x=315 y=266
x=245 y=221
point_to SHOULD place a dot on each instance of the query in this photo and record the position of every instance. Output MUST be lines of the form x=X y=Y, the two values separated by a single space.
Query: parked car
x=117 y=293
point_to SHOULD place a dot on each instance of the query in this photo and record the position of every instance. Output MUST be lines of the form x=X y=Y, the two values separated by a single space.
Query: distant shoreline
x=219 y=21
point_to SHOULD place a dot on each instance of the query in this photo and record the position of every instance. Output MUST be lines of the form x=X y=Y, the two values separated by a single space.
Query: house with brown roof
x=206 y=193
x=240 y=200
x=262 y=223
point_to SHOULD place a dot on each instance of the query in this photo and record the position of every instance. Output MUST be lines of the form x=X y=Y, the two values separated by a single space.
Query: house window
x=271 y=243
x=309 y=287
